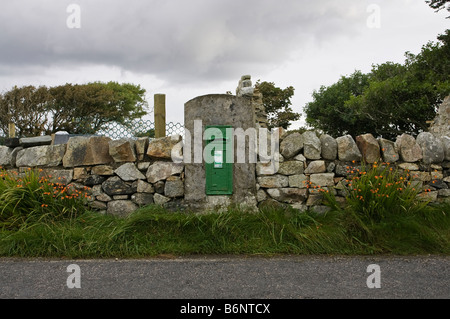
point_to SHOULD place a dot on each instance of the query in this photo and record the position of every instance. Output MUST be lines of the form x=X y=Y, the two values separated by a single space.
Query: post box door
x=219 y=171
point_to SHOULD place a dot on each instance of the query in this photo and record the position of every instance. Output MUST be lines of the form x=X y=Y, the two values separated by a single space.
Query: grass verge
x=152 y=231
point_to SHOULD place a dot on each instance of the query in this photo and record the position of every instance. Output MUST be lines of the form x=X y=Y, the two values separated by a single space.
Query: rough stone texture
x=174 y=188
x=288 y=195
x=104 y=170
x=115 y=186
x=98 y=205
x=446 y=145
x=432 y=148
x=144 y=187
x=275 y=181
x=347 y=149
x=142 y=199
x=64 y=176
x=14 y=155
x=92 y=180
x=35 y=141
x=388 y=150
x=162 y=170
x=103 y=198
x=217 y=109
x=261 y=195
x=121 y=208
x=316 y=167
x=322 y=180
x=160 y=199
x=80 y=173
x=409 y=150
x=409 y=166
x=441 y=124
x=129 y=173
x=40 y=156
x=329 y=147
x=122 y=150
x=291 y=168
x=369 y=147
x=5 y=156
x=84 y=151
x=267 y=168
x=421 y=176
x=141 y=145
x=291 y=145
x=298 y=181
x=312 y=146
x=161 y=148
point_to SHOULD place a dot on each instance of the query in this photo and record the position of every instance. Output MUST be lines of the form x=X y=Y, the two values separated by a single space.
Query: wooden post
x=160 y=115
x=12 y=130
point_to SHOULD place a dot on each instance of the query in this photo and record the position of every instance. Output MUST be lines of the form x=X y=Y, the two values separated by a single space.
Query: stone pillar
x=160 y=115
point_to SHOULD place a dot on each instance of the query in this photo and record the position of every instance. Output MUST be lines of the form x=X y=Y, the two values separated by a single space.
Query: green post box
x=218 y=160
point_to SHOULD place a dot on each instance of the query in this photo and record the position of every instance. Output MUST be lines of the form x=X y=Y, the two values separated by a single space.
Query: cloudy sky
x=188 y=48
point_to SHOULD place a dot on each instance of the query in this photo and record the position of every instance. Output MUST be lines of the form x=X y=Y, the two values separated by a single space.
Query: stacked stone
x=246 y=89
x=310 y=164
x=123 y=175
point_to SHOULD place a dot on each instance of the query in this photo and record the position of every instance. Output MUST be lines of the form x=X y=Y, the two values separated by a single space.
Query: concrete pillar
x=160 y=115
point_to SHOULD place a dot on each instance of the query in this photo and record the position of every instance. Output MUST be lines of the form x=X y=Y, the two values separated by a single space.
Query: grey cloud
x=176 y=40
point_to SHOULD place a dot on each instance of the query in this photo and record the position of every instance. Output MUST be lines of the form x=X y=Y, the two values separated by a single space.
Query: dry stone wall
x=311 y=163
x=122 y=175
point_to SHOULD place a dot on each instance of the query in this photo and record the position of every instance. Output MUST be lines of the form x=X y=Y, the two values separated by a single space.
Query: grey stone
x=14 y=155
x=162 y=170
x=439 y=184
x=120 y=197
x=261 y=195
x=104 y=170
x=115 y=186
x=369 y=147
x=122 y=150
x=270 y=168
x=444 y=192
x=326 y=179
x=103 y=198
x=35 y=141
x=275 y=181
x=298 y=181
x=144 y=187
x=159 y=187
x=291 y=145
x=129 y=173
x=92 y=180
x=388 y=151
x=86 y=151
x=312 y=146
x=446 y=145
x=121 y=208
x=48 y=156
x=291 y=168
x=432 y=148
x=160 y=199
x=288 y=195
x=143 y=166
x=409 y=150
x=64 y=176
x=141 y=145
x=331 y=167
x=5 y=156
x=329 y=147
x=347 y=149
x=142 y=199
x=316 y=167
x=98 y=205
x=409 y=166
x=174 y=188
x=161 y=148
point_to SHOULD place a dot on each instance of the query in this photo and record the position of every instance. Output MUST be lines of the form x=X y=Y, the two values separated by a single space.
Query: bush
x=29 y=197
x=378 y=192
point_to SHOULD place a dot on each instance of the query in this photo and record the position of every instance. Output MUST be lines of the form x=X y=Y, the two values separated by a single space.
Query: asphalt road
x=288 y=277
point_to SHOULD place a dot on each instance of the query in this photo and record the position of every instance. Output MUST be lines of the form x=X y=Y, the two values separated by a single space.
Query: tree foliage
x=438 y=5
x=390 y=100
x=75 y=108
x=277 y=104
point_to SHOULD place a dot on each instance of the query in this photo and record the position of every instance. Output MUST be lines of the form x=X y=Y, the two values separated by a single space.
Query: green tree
x=438 y=5
x=390 y=100
x=77 y=109
x=277 y=104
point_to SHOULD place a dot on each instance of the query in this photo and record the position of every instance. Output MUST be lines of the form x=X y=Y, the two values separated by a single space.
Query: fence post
x=12 y=130
x=160 y=115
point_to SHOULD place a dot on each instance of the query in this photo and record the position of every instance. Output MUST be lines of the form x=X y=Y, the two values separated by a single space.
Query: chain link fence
x=139 y=128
